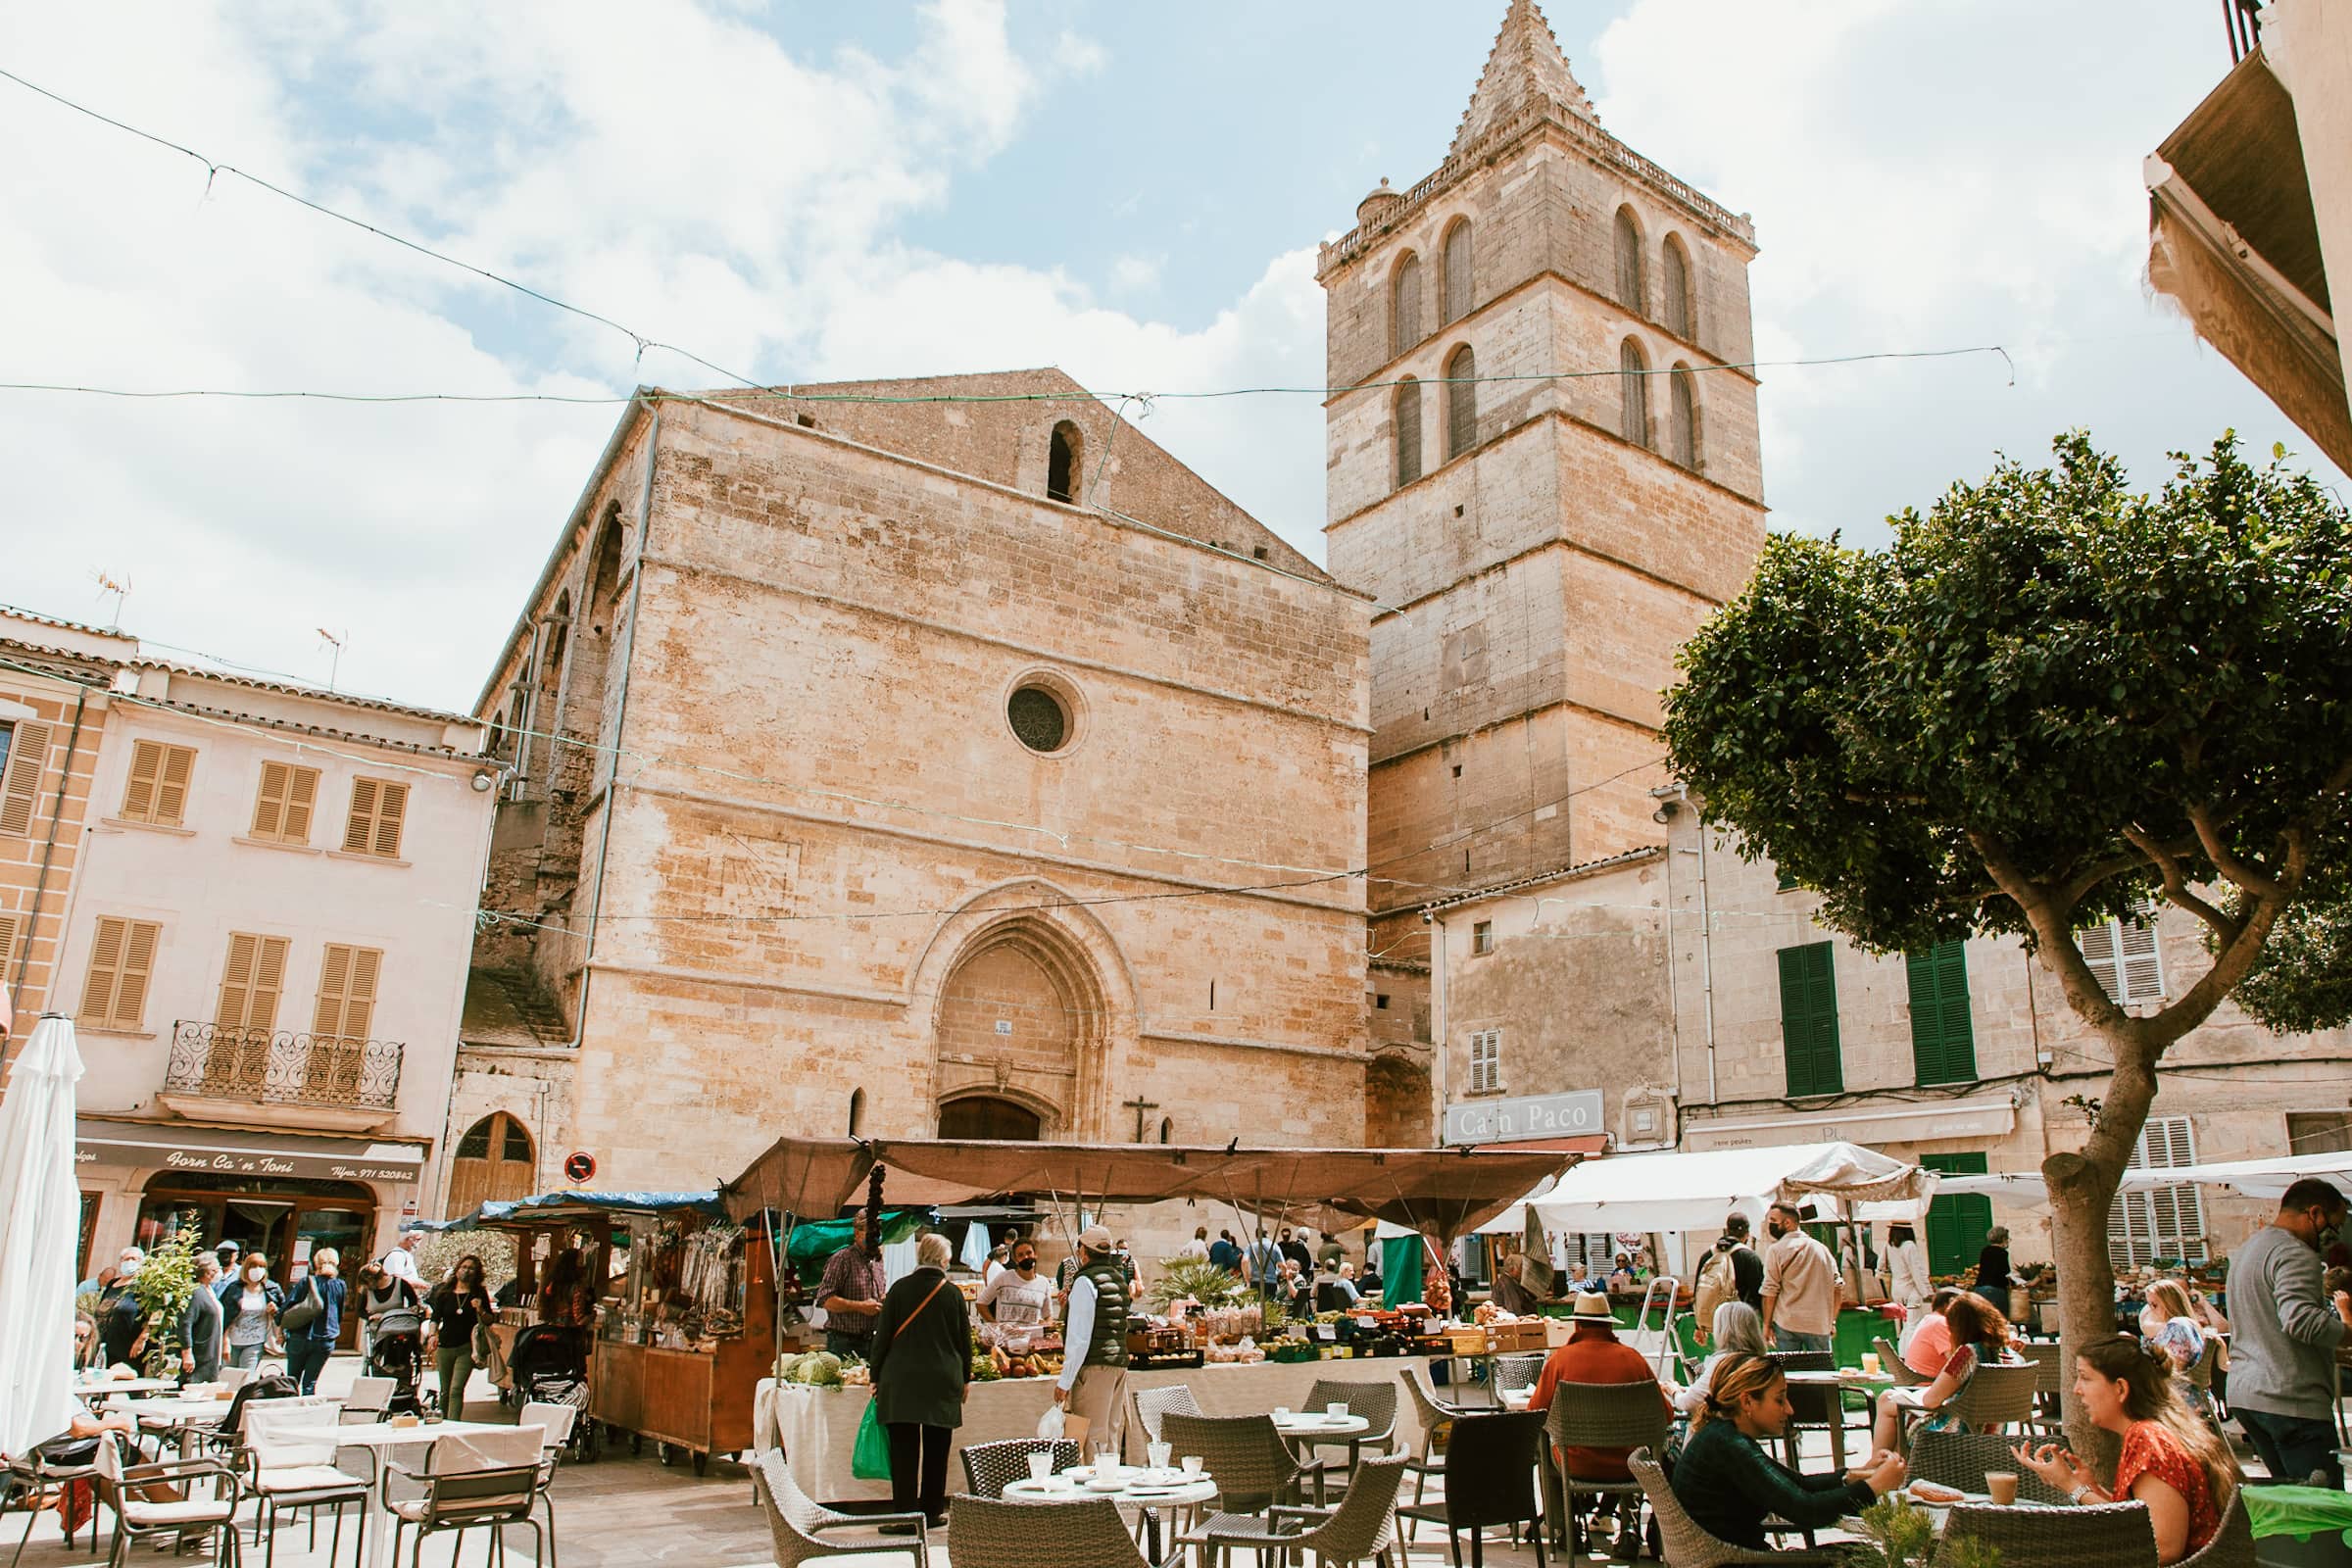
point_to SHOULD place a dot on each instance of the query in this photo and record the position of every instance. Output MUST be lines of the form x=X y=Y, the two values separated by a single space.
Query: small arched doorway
x=1063 y=461
x=989 y=1117
x=495 y=1162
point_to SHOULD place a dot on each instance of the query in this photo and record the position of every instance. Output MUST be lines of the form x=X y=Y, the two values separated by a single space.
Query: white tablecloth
x=817 y=1428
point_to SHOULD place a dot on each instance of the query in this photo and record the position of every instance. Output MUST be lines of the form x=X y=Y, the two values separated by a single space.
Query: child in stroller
x=396 y=1351
x=549 y=1366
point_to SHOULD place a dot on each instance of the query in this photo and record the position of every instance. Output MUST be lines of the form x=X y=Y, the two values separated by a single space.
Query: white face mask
x=254 y=1276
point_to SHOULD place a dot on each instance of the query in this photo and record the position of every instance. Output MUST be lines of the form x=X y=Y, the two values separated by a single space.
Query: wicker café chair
x=991 y=1533
x=1252 y=1467
x=2050 y=1366
x=987 y=1466
x=1602 y=1415
x=1809 y=1406
x=1363 y=1527
x=1376 y=1402
x=1688 y=1545
x=1437 y=1426
x=801 y=1529
x=1891 y=1363
x=1959 y=1460
x=1518 y=1370
x=2233 y=1546
x=1998 y=1397
x=2107 y=1534
x=1490 y=1481
x=1152 y=1403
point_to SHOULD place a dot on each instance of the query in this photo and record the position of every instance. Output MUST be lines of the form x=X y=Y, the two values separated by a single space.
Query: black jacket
x=922 y=1355
x=200 y=1329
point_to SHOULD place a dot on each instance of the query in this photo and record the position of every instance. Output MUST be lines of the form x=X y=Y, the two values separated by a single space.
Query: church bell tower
x=1545 y=468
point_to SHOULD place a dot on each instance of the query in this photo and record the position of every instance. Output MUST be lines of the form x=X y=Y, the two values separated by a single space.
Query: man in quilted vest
x=1092 y=1386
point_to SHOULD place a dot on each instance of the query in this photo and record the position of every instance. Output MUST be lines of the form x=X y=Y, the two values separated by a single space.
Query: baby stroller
x=397 y=1351
x=549 y=1366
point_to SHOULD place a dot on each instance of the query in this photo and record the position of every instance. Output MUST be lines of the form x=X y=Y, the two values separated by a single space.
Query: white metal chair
x=476 y=1480
x=136 y=1519
x=555 y=1424
x=368 y=1400
x=290 y=1447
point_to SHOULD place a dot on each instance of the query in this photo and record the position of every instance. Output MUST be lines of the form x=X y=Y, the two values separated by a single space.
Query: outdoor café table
x=1174 y=1489
x=1308 y=1428
x=1841 y=1379
x=127 y=1387
x=382 y=1436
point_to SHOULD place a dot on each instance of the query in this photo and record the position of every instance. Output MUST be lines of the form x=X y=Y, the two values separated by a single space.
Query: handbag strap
x=919 y=1305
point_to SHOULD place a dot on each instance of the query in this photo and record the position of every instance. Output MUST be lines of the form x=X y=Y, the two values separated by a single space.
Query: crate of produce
x=1468 y=1341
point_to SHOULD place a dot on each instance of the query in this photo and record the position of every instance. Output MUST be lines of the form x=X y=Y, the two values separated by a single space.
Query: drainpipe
x=57 y=809
x=1437 y=1013
x=1706 y=960
x=620 y=720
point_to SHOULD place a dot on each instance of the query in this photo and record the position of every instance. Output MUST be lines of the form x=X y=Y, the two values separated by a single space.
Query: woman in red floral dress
x=2172 y=1460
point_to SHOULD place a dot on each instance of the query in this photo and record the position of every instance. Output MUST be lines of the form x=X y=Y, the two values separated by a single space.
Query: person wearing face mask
x=1019 y=1297
x=1801 y=1285
x=200 y=1325
x=250 y=1302
x=311 y=1335
x=2283 y=1355
x=121 y=1321
x=459 y=1305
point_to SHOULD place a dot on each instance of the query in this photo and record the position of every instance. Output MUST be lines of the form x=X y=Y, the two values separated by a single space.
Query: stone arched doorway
x=1018 y=1028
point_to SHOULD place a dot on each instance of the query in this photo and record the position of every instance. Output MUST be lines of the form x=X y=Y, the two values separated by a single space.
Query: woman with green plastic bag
x=922 y=1361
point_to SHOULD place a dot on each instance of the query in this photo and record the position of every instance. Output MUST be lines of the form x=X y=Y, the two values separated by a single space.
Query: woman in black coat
x=1993 y=1268
x=922 y=1361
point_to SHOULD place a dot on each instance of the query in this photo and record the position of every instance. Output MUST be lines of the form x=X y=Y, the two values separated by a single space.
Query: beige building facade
x=918 y=765
x=1547 y=473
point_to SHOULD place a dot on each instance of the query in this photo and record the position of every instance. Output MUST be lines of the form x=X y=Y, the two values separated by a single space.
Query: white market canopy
x=2254 y=1178
x=1693 y=1192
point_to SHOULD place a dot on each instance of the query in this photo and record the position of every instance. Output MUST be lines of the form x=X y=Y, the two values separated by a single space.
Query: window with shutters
x=23 y=751
x=1485 y=1060
x=2159 y=1224
x=114 y=995
x=1957 y=1222
x=1685 y=417
x=1408 y=431
x=1629 y=262
x=1944 y=1046
x=1461 y=401
x=8 y=944
x=1457 y=272
x=346 y=992
x=158 y=791
x=1404 y=305
x=281 y=809
x=1809 y=1021
x=250 y=981
x=1676 y=276
x=377 y=806
x=2319 y=1132
x=1632 y=393
x=2122 y=954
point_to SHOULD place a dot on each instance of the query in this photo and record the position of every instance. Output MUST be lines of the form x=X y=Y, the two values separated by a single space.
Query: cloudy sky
x=801 y=191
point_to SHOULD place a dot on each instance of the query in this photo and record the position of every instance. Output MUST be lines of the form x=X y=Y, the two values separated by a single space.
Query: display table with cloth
x=817 y=1427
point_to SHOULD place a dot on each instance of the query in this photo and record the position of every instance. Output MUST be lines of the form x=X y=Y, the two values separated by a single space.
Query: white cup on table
x=1282 y=1412
x=1192 y=1465
x=1040 y=1464
x=1336 y=1409
x=1157 y=1453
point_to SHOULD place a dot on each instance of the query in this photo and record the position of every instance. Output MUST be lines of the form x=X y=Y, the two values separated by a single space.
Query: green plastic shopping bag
x=869 y=1460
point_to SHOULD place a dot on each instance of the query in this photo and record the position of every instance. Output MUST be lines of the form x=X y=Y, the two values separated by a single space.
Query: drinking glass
x=1157 y=1453
x=1870 y=1362
x=1040 y=1464
x=1191 y=1464
x=2003 y=1485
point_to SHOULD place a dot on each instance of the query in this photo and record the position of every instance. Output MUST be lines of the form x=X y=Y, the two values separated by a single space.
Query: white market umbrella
x=40 y=1222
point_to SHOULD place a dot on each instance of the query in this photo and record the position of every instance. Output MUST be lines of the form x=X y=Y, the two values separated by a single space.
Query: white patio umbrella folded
x=40 y=1221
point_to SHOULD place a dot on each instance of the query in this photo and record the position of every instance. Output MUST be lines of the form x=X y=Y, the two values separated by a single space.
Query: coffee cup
x=1191 y=1464
x=1041 y=1465
x=1282 y=1412
x=1336 y=1409
x=2002 y=1484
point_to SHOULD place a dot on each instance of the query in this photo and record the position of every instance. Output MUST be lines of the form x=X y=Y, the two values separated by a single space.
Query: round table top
x=1841 y=1377
x=1319 y=1424
x=1171 y=1489
x=125 y=1386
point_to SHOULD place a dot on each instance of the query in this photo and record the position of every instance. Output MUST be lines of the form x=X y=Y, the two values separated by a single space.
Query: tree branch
x=2176 y=889
x=2049 y=917
x=2072 y=891
x=2233 y=964
x=2256 y=883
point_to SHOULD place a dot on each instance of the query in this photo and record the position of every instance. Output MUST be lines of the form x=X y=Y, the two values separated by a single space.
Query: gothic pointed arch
x=1404 y=305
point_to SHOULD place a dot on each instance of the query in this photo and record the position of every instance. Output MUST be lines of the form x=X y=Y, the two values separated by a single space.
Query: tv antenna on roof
x=120 y=591
x=334 y=661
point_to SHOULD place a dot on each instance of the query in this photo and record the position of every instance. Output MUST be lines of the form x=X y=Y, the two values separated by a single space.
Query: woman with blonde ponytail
x=2172 y=1460
x=1730 y=1486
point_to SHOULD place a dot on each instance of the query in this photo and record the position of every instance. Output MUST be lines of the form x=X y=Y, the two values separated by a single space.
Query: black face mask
x=1025 y=1265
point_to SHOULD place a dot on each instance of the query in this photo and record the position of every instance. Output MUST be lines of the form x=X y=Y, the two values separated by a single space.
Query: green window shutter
x=1809 y=1021
x=1943 y=1045
x=1957 y=1224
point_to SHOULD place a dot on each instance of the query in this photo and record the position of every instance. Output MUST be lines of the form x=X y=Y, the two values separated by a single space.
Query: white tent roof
x=1692 y=1192
x=2254 y=1178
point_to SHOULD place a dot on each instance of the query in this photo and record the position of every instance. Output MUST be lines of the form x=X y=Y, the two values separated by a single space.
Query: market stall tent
x=1672 y=1191
x=2253 y=1178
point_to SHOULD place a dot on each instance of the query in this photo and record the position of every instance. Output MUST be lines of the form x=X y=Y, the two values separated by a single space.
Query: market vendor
x=851 y=1293
x=1017 y=1297
x=1094 y=1372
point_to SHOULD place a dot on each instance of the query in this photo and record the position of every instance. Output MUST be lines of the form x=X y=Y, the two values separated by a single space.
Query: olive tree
x=2050 y=697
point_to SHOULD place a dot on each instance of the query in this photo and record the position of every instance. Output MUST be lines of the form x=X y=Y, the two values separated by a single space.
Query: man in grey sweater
x=2282 y=1352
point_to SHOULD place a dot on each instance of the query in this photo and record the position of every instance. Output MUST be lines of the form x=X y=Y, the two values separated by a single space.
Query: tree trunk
x=2081 y=1197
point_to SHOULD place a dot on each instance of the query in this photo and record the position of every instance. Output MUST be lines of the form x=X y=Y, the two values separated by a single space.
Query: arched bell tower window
x=1630 y=280
x=1461 y=401
x=1633 y=392
x=1681 y=320
x=1685 y=417
x=1404 y=305
x=1457 y=272
x=1408 y=431
x=1062 y=462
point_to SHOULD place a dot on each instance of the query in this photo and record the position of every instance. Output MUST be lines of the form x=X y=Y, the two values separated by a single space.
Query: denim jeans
x=1795 y=1340
x=2293 y=1447
x=306 y=1358
x=248 y=1357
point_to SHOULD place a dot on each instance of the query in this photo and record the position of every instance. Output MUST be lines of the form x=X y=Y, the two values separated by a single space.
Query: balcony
x=281 y=1079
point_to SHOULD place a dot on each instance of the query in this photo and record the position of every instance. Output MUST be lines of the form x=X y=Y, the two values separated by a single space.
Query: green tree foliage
x=162 y=1286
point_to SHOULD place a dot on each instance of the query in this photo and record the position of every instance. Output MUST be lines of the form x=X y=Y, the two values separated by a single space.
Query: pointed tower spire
x=1524 y=68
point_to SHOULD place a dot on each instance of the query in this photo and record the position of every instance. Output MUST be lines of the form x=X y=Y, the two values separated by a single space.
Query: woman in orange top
x=2172 y=1461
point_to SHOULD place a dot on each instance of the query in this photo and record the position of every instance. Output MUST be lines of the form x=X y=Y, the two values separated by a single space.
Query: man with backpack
x=1732 y=1272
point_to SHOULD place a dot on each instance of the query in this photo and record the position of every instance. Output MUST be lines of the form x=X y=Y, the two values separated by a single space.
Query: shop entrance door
x=286 y=1222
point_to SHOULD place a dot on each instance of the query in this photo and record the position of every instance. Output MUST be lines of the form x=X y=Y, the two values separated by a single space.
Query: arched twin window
x=1632 y=393
x=1457 y=274
x=1461 y=401
x=1681 y=320
x=1630 y=281
x=1404 y=306
x=1408 y=431
x=1685 y=417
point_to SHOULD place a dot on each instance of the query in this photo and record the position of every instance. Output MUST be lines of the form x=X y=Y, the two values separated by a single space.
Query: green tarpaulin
x=822 y=1238
x=1400 y=1261
x=2299 y=1511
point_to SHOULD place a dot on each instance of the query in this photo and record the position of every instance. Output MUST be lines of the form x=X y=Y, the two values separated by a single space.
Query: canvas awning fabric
x=1693 y=1192
x=553 y=1210
x=1445 y=1191
x=2253 y=1178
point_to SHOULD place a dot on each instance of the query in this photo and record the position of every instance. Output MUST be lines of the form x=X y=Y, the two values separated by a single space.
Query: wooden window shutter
x=1461 y=401
x=1943 y=1047
x=7 y=940
x=391 y=805
x=346 y=992
x=1809 y=1020
x=138 y=796
x=114 y=995
x=2097 y=942
x=172 y=788
x=250 y=983
x=1408 y=431
x=158 y=791
x=21 y=784
x=281 y=810
x=360 y=828
x=1457 y=272
x=2142 y=971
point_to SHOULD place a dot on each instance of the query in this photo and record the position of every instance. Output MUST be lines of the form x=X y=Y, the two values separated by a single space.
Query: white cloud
x=1079 y=57
x=1136 y=273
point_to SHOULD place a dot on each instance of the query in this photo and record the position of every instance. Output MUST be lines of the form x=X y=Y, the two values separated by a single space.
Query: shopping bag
x=1049 y=1425
x=869 y=1460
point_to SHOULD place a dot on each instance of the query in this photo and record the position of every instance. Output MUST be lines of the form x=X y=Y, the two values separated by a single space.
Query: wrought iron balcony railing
x=283 y=1067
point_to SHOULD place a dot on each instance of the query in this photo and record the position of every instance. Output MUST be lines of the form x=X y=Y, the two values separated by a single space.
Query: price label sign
x=579 y=1165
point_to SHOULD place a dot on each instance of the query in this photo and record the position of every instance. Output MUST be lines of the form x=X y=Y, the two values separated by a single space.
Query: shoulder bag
x=298 y=1318
x=870 y=1459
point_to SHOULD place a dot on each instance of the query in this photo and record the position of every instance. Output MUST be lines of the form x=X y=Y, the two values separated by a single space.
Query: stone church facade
x=909 y=766
x=1537 y=544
